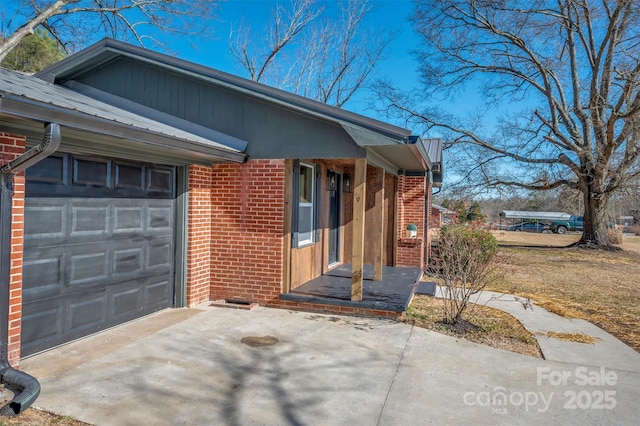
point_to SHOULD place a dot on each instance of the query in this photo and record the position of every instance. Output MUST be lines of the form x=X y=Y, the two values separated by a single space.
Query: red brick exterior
x=434 y=218
x=235 y=235
x=199 y=235
x=331 y=309
x=410 y=203
x=247 y=230
x=428 y=224
x=10 y=148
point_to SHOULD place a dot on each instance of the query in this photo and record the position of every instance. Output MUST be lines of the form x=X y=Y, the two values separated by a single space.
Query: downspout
x=27 y=387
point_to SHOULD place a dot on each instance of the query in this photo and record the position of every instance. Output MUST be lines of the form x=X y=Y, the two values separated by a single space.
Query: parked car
x=574 y=223
x=529 y=227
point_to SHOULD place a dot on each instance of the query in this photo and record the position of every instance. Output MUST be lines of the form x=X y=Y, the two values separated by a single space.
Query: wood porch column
x=288 y=202
x=357 y=249
x=378 y=219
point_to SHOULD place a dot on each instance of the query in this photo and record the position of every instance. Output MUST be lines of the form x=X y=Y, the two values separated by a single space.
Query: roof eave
x=37 y=111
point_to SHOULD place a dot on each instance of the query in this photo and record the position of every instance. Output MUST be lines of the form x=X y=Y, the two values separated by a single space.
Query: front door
x=334 y=221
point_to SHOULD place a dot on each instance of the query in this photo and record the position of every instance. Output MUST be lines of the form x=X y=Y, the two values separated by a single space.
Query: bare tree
x=73 y=22
x=466 y=262
x=567 y=70
x=311 y=55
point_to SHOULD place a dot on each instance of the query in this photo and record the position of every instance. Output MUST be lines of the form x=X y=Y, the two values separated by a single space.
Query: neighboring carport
x=106 y=215
x=538 y=217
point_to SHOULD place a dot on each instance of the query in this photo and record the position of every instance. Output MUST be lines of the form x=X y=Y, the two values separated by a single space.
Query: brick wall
x=10 y=148
x=411 y=209
x=247 y=219
x=428 y=224
x=199 y=235
x=331 y=309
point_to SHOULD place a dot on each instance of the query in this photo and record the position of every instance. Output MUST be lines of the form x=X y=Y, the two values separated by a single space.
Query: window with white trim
x=306 y=204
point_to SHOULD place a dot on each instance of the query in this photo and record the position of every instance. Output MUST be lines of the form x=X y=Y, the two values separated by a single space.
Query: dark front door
x=99 y=246
x=334 y=223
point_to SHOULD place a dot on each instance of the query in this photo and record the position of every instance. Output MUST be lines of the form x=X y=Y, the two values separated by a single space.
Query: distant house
x=175 y=184
x=440 y=216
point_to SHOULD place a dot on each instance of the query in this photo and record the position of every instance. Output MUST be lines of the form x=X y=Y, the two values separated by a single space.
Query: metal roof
x=522 y=214
x=31 y=98
x=387 y=145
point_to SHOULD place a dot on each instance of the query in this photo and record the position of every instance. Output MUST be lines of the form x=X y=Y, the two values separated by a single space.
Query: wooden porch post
x=378 y=219
x=288 y=202
x=357 y=249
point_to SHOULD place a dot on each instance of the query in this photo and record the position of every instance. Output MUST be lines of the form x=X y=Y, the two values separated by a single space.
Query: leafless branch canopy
x=73 y=22
x=311 y=55
x=561 y=78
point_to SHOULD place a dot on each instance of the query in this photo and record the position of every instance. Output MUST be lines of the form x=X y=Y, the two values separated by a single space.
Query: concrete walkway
x=198 y=367
x=608 y=351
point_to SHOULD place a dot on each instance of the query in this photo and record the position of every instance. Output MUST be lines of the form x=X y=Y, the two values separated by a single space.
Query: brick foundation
x=11 y=147
x=331 y=309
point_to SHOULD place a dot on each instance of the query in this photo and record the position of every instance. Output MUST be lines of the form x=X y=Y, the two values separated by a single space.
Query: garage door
x=99 y=246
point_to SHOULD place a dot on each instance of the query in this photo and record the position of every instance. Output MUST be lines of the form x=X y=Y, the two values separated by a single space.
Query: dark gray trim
x=295 y=194
x=318 y=205
x=414 y=173
x=6 y=201
x=181 y=237
x=422 y=149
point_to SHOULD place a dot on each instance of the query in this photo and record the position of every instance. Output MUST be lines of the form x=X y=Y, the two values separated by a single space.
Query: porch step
x=426 y=288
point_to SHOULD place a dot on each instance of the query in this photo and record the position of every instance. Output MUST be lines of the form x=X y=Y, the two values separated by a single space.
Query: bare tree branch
x=568 y=69
x=311 y=55
x=75 y=23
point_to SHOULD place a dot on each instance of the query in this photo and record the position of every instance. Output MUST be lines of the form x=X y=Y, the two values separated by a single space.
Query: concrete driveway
x=202 y=367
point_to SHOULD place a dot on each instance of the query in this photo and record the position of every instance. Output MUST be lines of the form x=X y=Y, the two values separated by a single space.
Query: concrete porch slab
x=393 y=293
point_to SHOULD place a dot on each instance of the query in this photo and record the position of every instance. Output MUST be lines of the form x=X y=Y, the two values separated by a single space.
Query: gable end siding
x=271 y=130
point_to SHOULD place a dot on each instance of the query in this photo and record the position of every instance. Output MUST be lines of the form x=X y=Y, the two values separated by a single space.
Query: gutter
x=38 y=111
x=420 y=151
x=26 y=387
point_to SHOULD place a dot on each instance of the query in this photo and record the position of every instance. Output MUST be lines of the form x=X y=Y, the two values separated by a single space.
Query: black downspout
x=27 y=387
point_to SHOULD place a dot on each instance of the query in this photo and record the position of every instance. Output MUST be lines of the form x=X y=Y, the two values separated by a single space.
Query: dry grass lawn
x=488 y=326
x=599 y=286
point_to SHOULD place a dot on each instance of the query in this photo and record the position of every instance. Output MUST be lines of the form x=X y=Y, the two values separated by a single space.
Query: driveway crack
x=395 y=374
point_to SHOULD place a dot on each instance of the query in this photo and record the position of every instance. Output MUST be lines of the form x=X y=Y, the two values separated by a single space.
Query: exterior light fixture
x=332 y=184
x=347 y=183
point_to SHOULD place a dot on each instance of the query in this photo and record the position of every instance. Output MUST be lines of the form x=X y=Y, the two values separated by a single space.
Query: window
x=306 y=204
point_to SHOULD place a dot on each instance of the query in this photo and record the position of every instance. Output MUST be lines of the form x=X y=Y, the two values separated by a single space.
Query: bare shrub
x=466 y=263
x=615 y=236
x=635 y=230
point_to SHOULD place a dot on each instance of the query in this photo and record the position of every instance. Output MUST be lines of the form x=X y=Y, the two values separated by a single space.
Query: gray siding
x=272 y=131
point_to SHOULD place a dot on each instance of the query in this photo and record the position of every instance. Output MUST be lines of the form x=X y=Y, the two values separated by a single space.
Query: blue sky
x=398 y=65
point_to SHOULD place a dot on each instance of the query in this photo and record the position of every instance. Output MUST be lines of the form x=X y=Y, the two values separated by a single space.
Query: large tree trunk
x=595 y=218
